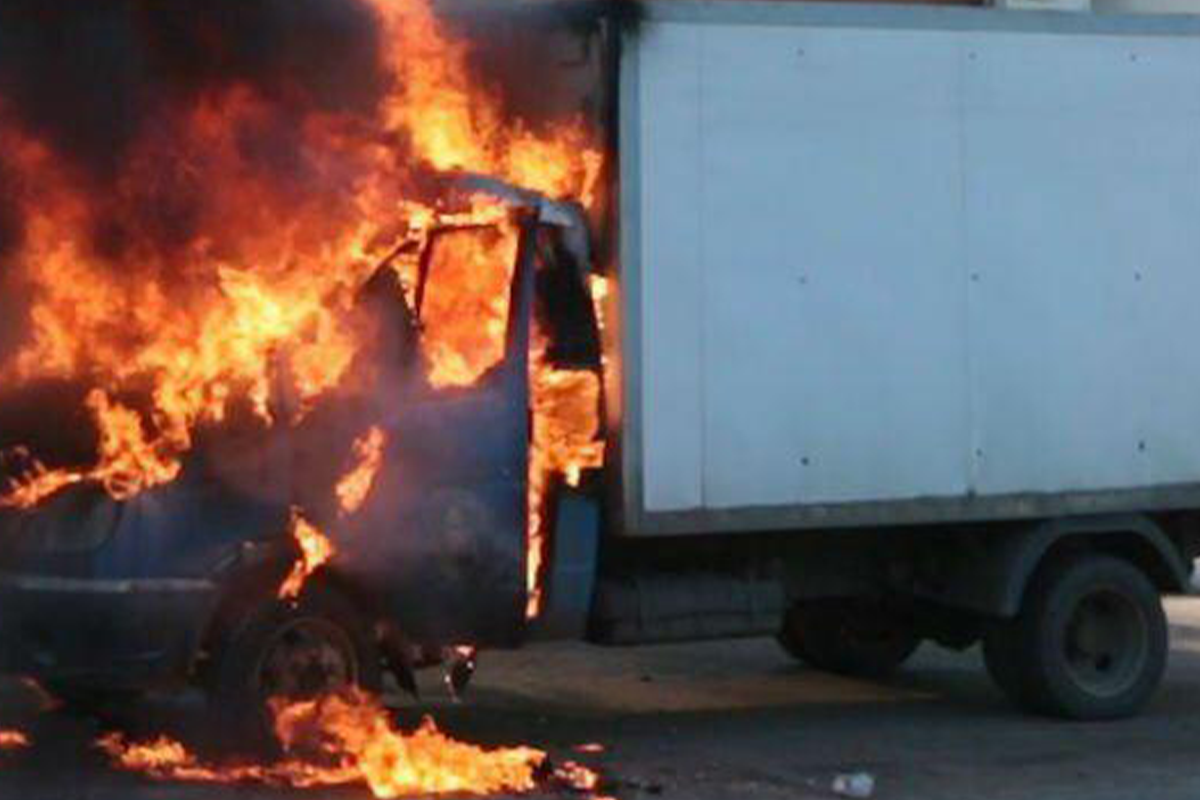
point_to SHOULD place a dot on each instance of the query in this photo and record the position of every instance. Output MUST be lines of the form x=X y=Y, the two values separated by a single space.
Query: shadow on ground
x=716 y=720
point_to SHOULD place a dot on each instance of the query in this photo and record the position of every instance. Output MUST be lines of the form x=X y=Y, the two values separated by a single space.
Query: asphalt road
x=720 y=721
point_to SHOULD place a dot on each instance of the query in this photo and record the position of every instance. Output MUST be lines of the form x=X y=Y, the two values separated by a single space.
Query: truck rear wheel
x=1090 y=642
x=301 y=650
x=848 y=637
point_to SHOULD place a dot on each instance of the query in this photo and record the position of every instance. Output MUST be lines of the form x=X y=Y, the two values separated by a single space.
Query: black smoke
x=94 y=80
x=87 y=77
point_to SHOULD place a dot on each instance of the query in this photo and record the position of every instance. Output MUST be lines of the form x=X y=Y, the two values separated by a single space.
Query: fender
x=993 y=580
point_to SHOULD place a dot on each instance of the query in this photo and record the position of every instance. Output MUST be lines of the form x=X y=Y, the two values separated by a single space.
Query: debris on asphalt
x=859 y=785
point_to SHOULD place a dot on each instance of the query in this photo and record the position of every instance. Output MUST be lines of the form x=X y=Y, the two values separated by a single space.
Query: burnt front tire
x=848 y=637
x=303 y=650
x=1090 y=642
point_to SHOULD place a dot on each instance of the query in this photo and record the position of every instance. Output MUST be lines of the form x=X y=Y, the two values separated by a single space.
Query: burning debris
x=349 y=739
x=13 y=740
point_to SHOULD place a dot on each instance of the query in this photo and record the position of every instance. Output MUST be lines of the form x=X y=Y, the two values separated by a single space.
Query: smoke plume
x=89 y=78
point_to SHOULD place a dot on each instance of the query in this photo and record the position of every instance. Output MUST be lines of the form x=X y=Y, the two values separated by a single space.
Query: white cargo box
x=890 y=264
x=1045 y=5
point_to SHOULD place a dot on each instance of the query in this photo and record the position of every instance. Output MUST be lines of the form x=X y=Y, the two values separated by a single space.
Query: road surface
x=724 y=720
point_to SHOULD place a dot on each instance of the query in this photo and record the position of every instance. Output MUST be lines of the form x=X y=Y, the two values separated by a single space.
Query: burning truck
x=326 y=361
x=297 y=307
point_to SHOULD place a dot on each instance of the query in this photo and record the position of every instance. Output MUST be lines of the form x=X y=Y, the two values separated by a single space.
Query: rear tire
x=1090 y=642
x=316 y=646
x=848 y=637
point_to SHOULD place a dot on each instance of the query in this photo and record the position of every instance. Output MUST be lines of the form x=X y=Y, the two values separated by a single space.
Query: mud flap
x=571 y=578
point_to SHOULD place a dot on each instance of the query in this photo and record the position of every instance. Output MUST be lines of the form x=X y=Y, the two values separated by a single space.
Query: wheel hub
x=307 y=658
x=1106 y=643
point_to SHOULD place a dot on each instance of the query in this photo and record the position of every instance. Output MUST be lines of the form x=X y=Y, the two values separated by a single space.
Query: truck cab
x=180 y=584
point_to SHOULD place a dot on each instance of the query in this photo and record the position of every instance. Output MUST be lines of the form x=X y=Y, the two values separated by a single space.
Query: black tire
x=1090 y=642
x=317 y=645
x=848 y=637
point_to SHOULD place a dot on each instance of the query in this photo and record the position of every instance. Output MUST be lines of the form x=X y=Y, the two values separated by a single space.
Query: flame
x=13 y=739
x=465 y=310
x=253 y=308
x=439 y=106
x=349 y=738
x=355 y=732
x=600 y=288
x=352 y=490
x=37 y=484
x=315 y=550
x=566 y=441
x=577 y=776
x=566 y=424
x=354 y=487
x=167 y=759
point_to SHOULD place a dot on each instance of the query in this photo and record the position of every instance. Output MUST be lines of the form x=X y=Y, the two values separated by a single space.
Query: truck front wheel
x=1089 y=643
x=303 y=650
x=848 y=637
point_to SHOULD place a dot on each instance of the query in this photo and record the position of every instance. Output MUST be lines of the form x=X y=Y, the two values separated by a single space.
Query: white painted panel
x=888 y=264
x=834 y=360
x=1083 y=167
x=1147 y=6
x=670 y=270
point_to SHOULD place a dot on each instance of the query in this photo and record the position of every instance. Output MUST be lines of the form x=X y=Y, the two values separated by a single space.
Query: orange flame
x=566 y=441
x=349 y=738
x=356 y=732
x=454 y=128
x=254 y=309
x=167 y=759
x=354 y=487
x=465 y=310
x=129 y=462
x=315 y=550
x=566 y=422
x=13 y=739
x=37 y=484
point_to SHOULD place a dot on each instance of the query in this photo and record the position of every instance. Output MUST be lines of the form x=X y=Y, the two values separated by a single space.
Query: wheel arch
x=995 y=581
x=254 y=577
